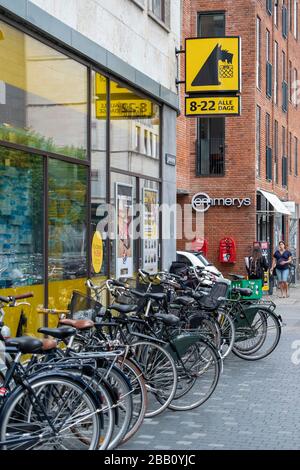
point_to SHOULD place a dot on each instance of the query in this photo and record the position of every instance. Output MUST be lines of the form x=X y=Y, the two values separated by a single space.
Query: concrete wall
x=127 y=30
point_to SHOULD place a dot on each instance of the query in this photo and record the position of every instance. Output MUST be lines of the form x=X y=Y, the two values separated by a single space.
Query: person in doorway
x=282 y=259
x=256 y=264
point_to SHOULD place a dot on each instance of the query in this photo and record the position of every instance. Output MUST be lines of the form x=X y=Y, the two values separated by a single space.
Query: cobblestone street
x=255 y=406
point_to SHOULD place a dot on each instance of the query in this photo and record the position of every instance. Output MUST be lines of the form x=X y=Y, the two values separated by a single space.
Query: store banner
x=150 y=230
x=124 y=241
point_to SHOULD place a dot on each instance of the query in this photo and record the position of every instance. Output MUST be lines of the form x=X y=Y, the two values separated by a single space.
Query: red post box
x=227 y=250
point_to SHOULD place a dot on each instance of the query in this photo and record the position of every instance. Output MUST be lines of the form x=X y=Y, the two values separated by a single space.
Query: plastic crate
x=254 y=284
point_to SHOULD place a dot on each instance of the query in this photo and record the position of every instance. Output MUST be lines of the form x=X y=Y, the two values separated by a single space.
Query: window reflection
x=41 y=91
x=134 y=132
x=67 y=220
x=98 y=167
x=21 y=219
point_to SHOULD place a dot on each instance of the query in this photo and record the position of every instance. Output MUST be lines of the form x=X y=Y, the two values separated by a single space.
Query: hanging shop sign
x=212 y=106
x=124 y=239
x=213 y=65
x=201 y=202
x=124 y=104
x=150 y=230
x=97 y=252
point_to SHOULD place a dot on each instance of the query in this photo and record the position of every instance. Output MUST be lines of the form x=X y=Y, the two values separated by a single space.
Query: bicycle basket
x=84 y=307
x=220 y=289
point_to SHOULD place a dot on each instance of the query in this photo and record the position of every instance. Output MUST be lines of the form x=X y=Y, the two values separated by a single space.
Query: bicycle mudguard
x=181 y=343
x=245 y=318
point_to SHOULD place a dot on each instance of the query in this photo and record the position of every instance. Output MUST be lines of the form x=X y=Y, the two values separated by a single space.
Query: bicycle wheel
x=159 y=373
x=198 y=375
x=55 y=412
x=227 y=330
x=123 y=392
x=264 y=346
x=207 y=327
x=139 y=396
x=250 y=337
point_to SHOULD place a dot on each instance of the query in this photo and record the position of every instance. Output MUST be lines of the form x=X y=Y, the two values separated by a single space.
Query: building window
x=268 y=149
x=137 y=138
x=158 y=8
x=276 y=72
x=276 y=13
x=291 y=15
x=258 y=140
x=210 y=147
x=290 y=152
x=43 y=90
x=133 y=119
x=21 y=219
x=296 y=157
x=284 y=21
x=290 y=81
x=276 y=138
x=284 y=84
x=211 y=25
x=284 y=158
x=67 y=221
x=269 y=65
x=269 y=6
x=283 y=66
x=295 y=88
x=258 y=53
x=295 y=19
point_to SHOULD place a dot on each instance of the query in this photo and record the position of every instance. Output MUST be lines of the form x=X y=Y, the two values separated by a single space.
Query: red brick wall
x=240 y=150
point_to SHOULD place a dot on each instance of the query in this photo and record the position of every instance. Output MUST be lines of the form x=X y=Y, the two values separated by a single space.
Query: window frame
x=258 y=53
x=198 y=150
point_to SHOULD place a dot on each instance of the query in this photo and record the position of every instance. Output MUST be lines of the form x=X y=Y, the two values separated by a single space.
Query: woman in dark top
x=282 y=259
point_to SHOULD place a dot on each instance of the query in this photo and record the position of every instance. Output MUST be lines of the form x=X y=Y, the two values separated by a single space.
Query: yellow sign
x=266 y=283
x=125 y=109
x=97 y=252
x=213 y=105
x=212 y=65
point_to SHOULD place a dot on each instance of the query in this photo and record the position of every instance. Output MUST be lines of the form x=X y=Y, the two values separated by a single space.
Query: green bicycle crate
x=254 y=284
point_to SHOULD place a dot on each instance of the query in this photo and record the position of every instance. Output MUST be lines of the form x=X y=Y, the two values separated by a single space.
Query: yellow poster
x=213 y=65
x=97 y=252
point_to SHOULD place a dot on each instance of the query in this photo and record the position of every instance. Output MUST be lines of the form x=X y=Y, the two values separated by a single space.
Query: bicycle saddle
x=158 y=296
x=123 y=308
x=243 y=291
x=167 y=318
x=183 y=300
x=78 y=324
x=60 y=333
x=25 y=344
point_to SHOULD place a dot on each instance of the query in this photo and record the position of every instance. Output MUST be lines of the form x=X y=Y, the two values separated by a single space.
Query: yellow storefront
x=73 y=141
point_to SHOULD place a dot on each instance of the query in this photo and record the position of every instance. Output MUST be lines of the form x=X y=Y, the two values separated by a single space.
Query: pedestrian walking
x=256 y=264
x=282 y=260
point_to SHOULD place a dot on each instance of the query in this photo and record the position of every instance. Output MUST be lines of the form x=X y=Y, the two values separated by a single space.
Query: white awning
x=276 y=202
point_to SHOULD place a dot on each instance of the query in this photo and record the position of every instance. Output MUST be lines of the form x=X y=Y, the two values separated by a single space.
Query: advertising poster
x=150 y=230
x=124 y=240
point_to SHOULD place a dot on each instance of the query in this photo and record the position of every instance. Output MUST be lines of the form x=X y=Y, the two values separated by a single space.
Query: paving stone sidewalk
x=255 y=406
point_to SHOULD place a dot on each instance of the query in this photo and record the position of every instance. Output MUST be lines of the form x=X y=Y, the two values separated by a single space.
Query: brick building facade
x=238 y=157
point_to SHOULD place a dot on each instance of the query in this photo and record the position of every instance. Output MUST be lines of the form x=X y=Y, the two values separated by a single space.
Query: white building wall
x=126 y=30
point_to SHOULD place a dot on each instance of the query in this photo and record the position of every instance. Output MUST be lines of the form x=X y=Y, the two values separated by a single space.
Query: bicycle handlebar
x=12 y=298
x=52 y=311
x=27 y=295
